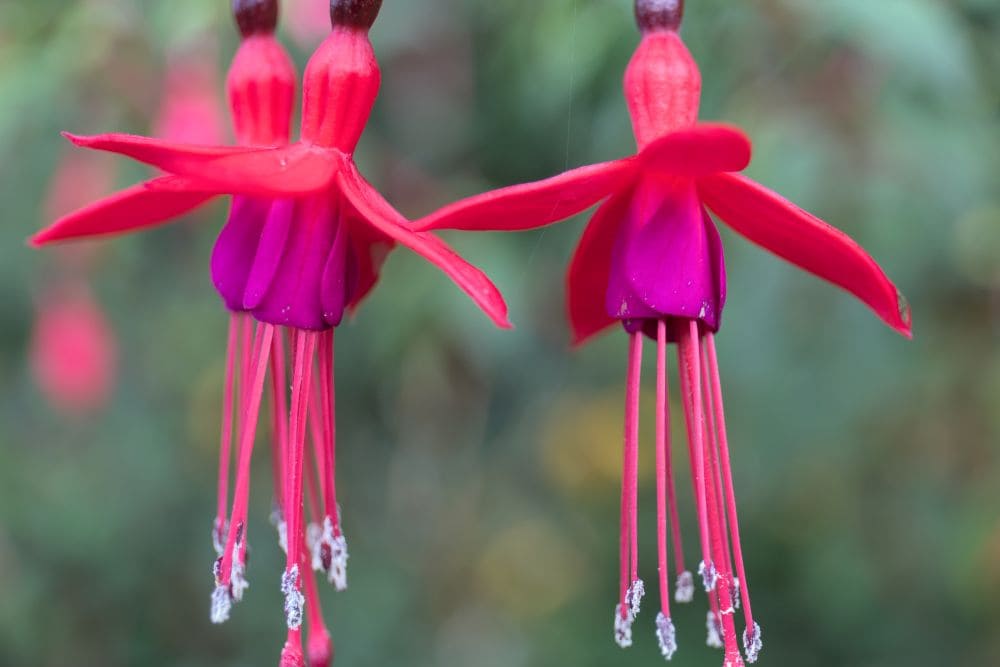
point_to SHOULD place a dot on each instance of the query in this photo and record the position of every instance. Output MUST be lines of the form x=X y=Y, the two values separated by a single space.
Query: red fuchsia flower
x=651 y=258
x=304 y=243
x=190 y=110
x=73 y=350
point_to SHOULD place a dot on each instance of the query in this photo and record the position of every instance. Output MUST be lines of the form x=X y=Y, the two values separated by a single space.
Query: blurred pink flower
x=73 y=351
x=307 y=21
x=191 y=110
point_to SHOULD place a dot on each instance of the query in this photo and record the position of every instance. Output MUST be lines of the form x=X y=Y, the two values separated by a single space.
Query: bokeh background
x=478 y=468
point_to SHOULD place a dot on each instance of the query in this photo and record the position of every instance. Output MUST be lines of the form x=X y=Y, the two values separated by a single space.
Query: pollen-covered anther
x=295 y=601
x=709 y=575
x=222 y=604
x=219 y=531
x=736 y=592
x=752 y=643
x=685 y=587
x=623 y=627
x=633 y=597
x=666 y=635
x=713 y=625
x=238 y=583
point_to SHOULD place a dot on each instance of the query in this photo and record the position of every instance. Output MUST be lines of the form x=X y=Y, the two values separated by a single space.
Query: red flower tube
x=651 y=258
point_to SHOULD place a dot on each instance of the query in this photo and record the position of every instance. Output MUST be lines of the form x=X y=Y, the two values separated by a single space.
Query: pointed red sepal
x=289 y=171
x=371 y=247
x=381 y=216
x=536 y=204
x=590 y=268
x=138 y=207
x=781 y=227
x=700 y=150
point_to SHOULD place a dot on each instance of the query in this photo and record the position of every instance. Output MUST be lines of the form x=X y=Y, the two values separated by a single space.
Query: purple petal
x=667 y=259
x=269 y=252
x=232 y=257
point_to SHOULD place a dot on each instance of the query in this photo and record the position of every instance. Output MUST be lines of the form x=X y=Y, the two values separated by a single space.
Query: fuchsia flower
x=305 y=241
x=190 y=111
x=651 y=258
x=73 y=351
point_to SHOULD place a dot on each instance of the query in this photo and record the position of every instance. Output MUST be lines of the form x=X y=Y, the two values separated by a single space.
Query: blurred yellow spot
x=529 y=570
x=582 y=442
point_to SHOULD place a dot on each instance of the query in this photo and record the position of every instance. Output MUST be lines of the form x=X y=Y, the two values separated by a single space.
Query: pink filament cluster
x=722 y=569
x=303 y=476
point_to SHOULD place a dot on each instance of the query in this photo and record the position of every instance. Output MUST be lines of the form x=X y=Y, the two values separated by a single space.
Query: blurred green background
x=478 y=468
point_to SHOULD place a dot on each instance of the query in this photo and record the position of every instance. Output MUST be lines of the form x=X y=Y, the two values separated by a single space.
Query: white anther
x=623 y=627
x=714 y=626
x=685 y=587
x=237 y=576
x=666 y=635
x=633 y=597
x=752 y=643
x=221 y=605
x=709 y=575
x=294 y=600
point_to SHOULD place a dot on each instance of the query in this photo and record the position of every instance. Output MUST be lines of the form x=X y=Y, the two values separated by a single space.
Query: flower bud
x=659 y=14
x=354 y=13
x=255 y=16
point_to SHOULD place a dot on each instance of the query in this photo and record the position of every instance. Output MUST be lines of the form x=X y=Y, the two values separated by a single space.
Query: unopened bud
x=256 y=16
x=659 y=14
x=354 y=13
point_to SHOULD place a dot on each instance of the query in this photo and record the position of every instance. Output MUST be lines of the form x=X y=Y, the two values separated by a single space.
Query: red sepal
x=773 y=222
x=289 y=171
x=536 y=204
x=590 y=268
x=374 y=210
x=138 y=207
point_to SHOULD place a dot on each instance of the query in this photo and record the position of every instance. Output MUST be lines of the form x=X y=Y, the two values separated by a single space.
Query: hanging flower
x=305 y=241
x=73 y=350
x=73 y=346
x=651 y=258
x=190 y=110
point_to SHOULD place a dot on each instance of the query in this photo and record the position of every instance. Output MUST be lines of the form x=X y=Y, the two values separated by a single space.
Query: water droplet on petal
x=904 y=308
x=752 y=643
x=666 y=635
x=685 y=587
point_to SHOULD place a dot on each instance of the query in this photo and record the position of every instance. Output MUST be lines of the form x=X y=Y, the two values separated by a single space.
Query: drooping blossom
x=651 y=258
x=304 y=243
x=190 y=110
x=73 y=350
x=73 y=346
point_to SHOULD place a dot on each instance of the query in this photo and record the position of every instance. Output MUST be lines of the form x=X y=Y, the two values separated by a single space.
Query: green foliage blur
x=479 y=468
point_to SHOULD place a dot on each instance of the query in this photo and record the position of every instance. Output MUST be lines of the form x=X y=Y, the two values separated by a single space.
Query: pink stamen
x=319 y=645
x=241 y=494
x=225 y=440
x=723 y=582
x=662 y=452
x=279 y=416
x=713 y=373
x=328 y=409
x=305 y=345
x=690 y=377
x=629 y=552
